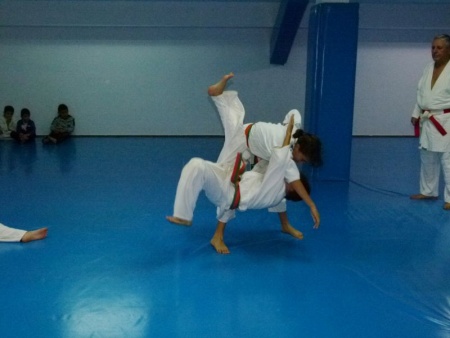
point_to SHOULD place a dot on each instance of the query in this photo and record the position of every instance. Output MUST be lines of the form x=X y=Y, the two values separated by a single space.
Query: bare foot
x=422 y=197
x=289 y=229
x=219 y=245
x=34 y=235
x=178 y=221
x=218 y=88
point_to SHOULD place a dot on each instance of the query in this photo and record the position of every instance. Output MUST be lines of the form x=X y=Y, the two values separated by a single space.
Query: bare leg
x=34 y=235
x=287 y=228
x=217 y=240
x=218 y=88
x=179 y=221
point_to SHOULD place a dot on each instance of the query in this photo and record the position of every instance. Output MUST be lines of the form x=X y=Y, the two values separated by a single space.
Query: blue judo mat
x=112 y=266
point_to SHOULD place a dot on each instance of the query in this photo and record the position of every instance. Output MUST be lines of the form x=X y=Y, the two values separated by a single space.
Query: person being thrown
x=228 y=187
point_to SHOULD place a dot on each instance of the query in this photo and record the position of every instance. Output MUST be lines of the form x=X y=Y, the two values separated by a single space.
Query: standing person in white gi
x=8 y=234
x=263 y=187
x=432 y=111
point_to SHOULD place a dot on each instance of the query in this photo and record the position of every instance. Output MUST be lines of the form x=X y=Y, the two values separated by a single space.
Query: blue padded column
x=330 y=84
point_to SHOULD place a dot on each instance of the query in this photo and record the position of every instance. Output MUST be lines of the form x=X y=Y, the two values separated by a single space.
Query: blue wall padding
x=330 y=85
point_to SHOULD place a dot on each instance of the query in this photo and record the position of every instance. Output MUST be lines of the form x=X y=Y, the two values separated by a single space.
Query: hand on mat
x=316 y=217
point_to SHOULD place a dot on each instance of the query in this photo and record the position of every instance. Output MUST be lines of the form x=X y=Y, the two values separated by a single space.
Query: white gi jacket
x=435 y=101
x=264 y=186
x=263 y=138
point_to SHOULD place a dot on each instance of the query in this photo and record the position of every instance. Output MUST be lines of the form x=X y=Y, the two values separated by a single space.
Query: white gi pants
x=430 y=169
x=214 y=178
x=8 y=234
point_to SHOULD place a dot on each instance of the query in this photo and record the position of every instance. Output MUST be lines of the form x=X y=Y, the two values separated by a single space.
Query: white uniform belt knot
x=428 y=114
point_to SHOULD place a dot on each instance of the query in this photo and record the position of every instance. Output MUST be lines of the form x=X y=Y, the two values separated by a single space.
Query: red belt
x=236 y=197
x=247 y=132
x=238 y=170
x=435 y=122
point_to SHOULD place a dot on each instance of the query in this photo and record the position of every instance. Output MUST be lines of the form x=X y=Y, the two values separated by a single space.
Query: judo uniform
x=432 y=104
x=263 y=136
x=262 y=187
x=8 y=234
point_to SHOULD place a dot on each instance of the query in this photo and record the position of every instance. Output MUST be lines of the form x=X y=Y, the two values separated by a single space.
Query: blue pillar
x=330 y=85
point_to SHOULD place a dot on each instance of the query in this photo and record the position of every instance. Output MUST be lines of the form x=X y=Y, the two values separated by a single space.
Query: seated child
x=62 y=126
x=26 y=129
x=7 y=123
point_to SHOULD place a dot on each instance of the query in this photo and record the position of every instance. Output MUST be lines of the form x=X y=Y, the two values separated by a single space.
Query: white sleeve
x=416 y=111
x=292 y=173
x=276 y=169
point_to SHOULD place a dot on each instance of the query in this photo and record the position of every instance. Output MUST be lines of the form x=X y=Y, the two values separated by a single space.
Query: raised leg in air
x=218 y=88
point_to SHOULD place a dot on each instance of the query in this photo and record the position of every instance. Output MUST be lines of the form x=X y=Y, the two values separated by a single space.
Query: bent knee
x=196 y=164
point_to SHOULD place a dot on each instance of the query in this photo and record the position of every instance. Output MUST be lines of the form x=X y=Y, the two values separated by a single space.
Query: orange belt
x=247 y=132
x=435 y=122
x=238 y=170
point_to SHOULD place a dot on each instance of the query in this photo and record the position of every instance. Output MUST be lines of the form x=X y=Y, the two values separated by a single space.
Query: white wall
x=140 y=68
x=394 y=47
x=141 y=78
x=141 y=88
x=385 y=90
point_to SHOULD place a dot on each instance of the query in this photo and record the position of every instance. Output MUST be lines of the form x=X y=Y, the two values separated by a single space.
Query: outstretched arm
x=301 y=191
x=298 y=185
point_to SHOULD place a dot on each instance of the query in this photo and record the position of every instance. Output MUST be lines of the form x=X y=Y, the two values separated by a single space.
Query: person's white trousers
x=430 y=170
x=8 y=234
x=214 y=178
